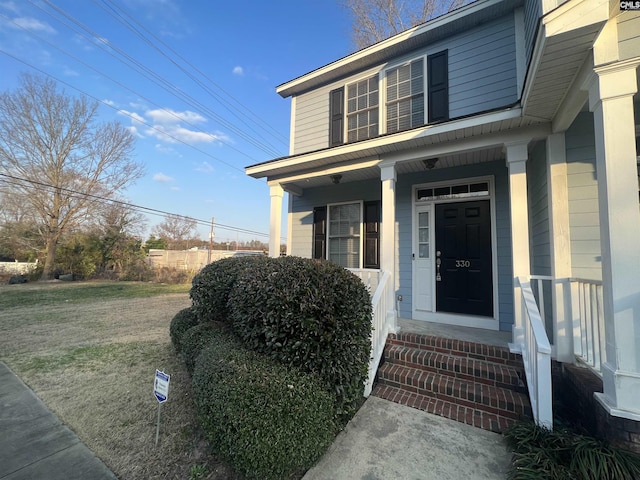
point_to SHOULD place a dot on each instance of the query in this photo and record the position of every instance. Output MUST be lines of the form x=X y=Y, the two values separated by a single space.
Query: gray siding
x=629 y=35
x=302 y=209
x=403 y=219
x=532 y=14
x=482 y=76
x=302 y=228
x=540 y=254
x=482 y=69
x=539 y=236
x=582 y=183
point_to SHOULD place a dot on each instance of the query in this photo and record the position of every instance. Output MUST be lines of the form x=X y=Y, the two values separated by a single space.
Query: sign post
x=161 y=392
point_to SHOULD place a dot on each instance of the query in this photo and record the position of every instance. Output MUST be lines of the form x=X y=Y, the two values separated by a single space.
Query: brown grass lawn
x=92 y=358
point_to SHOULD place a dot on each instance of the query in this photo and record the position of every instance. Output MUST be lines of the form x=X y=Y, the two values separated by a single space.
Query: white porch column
x=517 y=163
x=388 y=236
x=275 y=220
x=611 y=101
x=560 y=245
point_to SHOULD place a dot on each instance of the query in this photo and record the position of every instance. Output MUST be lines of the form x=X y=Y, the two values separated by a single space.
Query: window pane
x=344 y=234
x=423 y=250
x=362 y=96
x=405 y=98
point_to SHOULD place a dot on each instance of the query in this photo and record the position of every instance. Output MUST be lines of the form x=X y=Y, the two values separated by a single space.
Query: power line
x=120 y=111
x=140 y=208
x=148 y=73
x=252 y=116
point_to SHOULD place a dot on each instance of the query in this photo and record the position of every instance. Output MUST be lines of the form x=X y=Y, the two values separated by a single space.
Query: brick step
x=460 y=348
x=501 y=402
x=464 y=368
x=460 y=413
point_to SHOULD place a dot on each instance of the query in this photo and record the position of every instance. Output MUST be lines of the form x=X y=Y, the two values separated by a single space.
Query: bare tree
x=177 y=231
x=377 y=20
x=59 y=158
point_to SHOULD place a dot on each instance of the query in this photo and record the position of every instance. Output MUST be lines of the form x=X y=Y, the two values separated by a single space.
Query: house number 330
x=463 y=263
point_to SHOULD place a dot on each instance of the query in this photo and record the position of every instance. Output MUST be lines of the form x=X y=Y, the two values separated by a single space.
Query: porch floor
x=469 y=334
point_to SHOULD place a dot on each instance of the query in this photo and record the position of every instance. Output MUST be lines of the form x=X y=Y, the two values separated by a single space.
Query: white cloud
x=34 y=24
x=111 y=103
x=135 y=117
x=134 y=131
x=238 y=70
x=168 y=116
x=168 y=126
x=11 y=6
x=69 y=72
x=205 y=167
x=162 y=178
x=175 y=189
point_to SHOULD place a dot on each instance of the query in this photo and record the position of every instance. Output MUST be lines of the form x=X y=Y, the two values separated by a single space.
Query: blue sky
x=197 y=123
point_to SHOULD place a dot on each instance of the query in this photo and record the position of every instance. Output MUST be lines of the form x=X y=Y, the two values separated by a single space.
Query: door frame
x=489 y=323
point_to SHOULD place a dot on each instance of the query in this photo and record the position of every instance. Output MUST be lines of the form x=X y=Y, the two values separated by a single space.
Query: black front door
x=464 y=282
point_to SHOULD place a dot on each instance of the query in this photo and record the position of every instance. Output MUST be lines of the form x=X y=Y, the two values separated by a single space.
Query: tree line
x=61 y=177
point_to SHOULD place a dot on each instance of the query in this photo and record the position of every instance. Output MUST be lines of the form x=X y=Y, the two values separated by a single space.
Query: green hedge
x=211 y=286
x=181 y=322
x=267 y=420
x=195 y=340
x=313 y=315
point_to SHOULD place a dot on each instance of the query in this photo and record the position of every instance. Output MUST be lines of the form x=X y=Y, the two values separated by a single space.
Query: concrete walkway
x=385 y=440
x=34 y=444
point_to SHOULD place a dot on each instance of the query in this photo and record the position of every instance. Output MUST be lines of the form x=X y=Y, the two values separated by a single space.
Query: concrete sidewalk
x=34 y=444
x=385 y=440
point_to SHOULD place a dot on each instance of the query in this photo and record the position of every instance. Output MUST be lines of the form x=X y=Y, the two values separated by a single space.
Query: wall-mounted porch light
x=429 y=163
x=335 y=178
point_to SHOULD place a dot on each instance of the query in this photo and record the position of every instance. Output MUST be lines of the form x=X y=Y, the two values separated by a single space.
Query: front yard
x=89 y=351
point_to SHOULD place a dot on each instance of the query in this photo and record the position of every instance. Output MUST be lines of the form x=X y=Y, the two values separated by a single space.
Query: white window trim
x=454 y=319
x=360 y=234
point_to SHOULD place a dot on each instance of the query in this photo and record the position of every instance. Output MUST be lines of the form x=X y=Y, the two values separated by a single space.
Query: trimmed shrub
x=268 y=421
x=180 y=323
x=313 y=315
x=195 y=340
x=211 y=286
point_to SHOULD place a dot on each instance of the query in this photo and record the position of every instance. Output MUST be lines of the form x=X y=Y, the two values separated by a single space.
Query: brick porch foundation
x=574 y=387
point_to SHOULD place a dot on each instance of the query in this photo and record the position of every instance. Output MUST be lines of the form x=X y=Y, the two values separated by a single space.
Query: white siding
x=582 y=182
x=629 y=35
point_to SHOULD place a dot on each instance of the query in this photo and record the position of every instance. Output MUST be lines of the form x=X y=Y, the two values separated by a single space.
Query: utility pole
x=210 y=242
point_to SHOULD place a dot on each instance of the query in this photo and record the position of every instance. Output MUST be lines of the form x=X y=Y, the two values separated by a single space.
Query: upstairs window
x=408 y=99
x=405 y=96
x=362 y=110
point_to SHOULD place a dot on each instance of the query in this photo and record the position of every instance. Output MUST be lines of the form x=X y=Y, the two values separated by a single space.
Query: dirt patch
x=93 y=365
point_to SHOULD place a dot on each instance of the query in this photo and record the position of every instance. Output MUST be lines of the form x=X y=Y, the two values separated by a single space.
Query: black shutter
x=438 y=86
x=371 y=235
x=320 y=232
x=336 y=117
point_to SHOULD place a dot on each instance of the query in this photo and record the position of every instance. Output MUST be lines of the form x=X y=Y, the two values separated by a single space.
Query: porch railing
x=587 y=313
x=536 y=356
x=381 y=327
x=370 y=277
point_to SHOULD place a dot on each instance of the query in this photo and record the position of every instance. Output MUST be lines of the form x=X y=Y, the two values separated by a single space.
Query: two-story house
x=476 y=158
